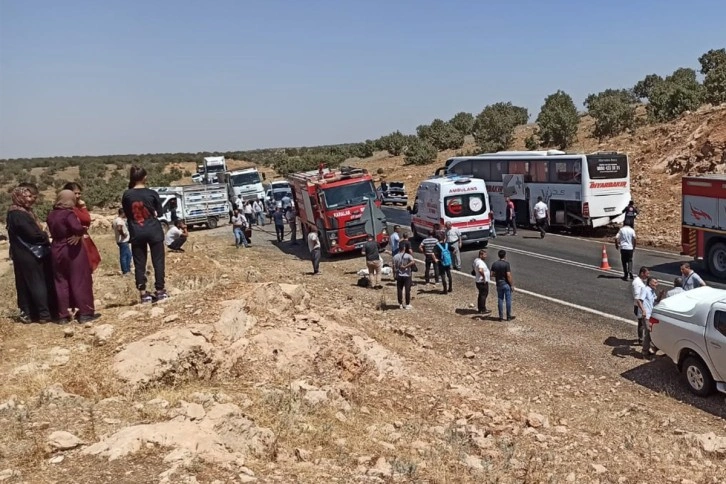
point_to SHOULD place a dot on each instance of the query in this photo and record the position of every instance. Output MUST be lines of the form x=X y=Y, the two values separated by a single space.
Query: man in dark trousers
x=630 y=213
x=427 y=247
x=279 y=218
x=502 y=272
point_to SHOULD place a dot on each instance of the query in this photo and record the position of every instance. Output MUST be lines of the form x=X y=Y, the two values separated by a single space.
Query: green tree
x=394 y=143
x=715 y=85
x=441 y=134
x=678 y=93
x=463 y=123
x=643 y=89
x=420 y=152
x=558 y=120
x=712 y=60
x=531 y=143
x=494 y=126
x=613 y=111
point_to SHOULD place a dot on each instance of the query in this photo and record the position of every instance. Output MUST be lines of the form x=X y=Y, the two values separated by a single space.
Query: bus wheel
x=717 y=260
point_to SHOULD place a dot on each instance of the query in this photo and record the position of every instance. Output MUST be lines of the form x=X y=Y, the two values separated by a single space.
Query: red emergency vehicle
x=341 y=205
x=703 y=230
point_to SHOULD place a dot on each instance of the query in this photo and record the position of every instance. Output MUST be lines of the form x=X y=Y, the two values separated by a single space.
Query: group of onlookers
x=53 y=268
x=53 y=265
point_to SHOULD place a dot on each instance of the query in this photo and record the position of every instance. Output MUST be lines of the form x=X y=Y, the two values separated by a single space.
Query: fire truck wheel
x=717 y=260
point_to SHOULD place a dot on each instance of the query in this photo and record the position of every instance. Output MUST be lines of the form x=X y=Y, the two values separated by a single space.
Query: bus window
x=518 y=167
x=538 y=171
x=566 y=171
x=480 y=169
x=462 y=168
x=601 y=167
x=498 y=168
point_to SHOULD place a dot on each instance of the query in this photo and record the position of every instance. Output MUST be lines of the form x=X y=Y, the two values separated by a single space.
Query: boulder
x=102 y=334
x=61 y=440
x=170 y=355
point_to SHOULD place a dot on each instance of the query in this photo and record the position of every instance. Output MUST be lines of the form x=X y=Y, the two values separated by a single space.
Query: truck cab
x=246 y=182
x=690 y=328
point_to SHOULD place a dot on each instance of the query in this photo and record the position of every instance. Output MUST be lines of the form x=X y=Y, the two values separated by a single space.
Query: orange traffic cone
x=604 y=265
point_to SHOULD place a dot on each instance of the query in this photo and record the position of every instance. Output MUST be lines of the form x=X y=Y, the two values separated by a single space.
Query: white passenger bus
x=590 y=190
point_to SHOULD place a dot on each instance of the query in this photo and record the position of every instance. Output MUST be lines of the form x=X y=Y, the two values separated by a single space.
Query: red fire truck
x=341 y=205
x=703 y=232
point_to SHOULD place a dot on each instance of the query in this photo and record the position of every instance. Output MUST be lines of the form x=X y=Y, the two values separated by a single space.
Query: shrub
x=420 y=153
x=394 y=143
x=463 y=123
x=678 y=93
x=494 y=126
x=558 y=120
x=441 y=135
x=531 y=143
x=613 y=111
x=715 y=85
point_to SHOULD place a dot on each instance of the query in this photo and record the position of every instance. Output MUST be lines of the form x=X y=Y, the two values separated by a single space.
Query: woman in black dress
x=30 y=253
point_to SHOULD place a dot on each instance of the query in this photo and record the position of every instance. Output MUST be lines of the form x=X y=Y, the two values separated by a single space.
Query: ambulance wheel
x=717 y=260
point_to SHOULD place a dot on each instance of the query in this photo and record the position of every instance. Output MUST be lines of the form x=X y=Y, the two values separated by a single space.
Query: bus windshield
x=346 y=195
x=245 y=178
x=603 y=167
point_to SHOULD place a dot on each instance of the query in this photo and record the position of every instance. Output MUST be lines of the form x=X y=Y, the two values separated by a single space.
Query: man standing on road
x=625 y=243
x=279 y=218
x=402 y=264
x=646 y=301
x=373 y=261
x=427 y=247
x=453 y=237
x=481 y=273
x=510 y=216
x=286 y=201
x=691 y=280
x=291 y=216
x=442 y=257
x=314 y=248
x=630 y=213
x=395 y=240
x=239 y=224
x=258 y=209
x=637 y=287
x=542 y=216
x=502 y=272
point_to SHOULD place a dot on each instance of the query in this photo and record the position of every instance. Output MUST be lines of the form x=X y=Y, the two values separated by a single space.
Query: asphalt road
x=568 y=268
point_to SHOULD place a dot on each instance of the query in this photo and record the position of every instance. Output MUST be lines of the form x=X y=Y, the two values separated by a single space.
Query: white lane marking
x=662 y=252
x=564 y=261
x=554 y=300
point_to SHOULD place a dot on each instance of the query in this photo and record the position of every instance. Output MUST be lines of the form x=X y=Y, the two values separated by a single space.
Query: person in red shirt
x=510 y=217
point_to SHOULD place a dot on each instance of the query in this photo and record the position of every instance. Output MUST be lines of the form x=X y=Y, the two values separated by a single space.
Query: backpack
x=445 y=255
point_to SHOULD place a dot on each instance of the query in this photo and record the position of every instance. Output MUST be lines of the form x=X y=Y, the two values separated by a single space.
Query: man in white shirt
x=637 y=287
x=481 y=273
x=625 y=243
x=240 y=204
x=691 y=280
x=121 y=231
x=258 y=210
x=453 y=237
x=646 y=301
x=542 y=216
x=286 y=201
x=677 y=287
x=239 y=225
x=176 y=236
x=314 y=248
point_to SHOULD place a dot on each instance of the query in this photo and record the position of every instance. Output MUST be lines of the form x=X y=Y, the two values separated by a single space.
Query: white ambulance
x=461 y=200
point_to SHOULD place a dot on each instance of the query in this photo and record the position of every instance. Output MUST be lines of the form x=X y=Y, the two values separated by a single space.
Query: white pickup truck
x=690 y=328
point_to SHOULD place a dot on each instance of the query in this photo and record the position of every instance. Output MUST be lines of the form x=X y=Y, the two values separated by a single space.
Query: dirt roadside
x=352 y=389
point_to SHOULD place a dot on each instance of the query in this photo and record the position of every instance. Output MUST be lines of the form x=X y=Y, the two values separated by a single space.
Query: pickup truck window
x=719 y=322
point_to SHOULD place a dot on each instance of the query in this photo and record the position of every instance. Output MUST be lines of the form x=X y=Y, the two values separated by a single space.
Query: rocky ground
x=257 y=371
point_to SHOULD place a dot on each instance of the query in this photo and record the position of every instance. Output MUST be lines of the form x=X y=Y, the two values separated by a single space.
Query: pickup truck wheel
x=699 y=379
x=717 y=260
x=212 y=223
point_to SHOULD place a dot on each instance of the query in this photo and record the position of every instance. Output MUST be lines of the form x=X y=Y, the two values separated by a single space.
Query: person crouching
x=177 y=236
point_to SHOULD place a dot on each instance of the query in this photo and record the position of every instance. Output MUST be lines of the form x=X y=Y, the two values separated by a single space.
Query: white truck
x=276 y=190
x=195 y=204
x=214 y=166
x=246 y=182
x=461 y=200
x=690 y=328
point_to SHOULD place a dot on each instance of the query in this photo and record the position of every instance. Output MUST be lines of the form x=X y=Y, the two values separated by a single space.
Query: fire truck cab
x=341 y=206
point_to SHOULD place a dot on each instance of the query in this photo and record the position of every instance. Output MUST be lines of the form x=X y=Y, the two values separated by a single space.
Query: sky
x=114 y=77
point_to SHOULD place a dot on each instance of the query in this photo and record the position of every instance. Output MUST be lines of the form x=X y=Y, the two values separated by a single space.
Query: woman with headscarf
x=72 y=269
x=30 y=253
x=94 y=257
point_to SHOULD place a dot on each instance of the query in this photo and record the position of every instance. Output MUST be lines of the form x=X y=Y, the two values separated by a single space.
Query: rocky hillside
x=659 y=155
x=256 y=371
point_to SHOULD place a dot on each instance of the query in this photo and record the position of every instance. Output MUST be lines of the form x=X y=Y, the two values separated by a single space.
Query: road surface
x=568 y=268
